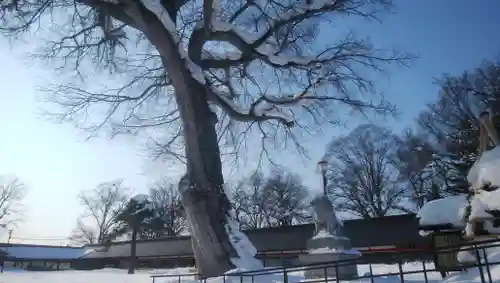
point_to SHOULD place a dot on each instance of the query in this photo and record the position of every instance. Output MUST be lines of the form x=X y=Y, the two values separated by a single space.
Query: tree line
x=279 y=199
x=374 y=171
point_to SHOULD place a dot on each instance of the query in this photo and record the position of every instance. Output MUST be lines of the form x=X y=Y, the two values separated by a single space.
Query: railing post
x=285 y=276
x=487 y=264
x=478 y=257
x=179 y=279
x=337 y=279
x=425 y=272
x=154 y=279
x=400 y=267
x=371 y=273
x=325 y=272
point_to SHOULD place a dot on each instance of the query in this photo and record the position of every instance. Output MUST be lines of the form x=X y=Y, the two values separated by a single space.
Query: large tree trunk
x=201 y=189
x=206 y=205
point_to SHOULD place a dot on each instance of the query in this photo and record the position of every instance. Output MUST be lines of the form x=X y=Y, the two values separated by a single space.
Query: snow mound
x=244 y=248
x=141 y=198
x=486 y=169
x=323 y=234
x=484 y=201
x=447 y=210
x=472 y=275
x=331 y=251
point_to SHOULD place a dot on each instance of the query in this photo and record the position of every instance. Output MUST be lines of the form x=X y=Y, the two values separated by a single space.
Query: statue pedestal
x=344 y=272
x=329 y=245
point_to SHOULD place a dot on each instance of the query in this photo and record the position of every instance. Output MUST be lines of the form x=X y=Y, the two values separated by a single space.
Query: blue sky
x=57 y=163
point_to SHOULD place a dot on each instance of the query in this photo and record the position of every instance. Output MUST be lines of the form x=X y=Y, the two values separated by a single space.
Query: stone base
x=345 y=272
x=331 y=241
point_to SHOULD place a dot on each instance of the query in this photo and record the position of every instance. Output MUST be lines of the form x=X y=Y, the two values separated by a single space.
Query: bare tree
x=83 y=234
x=12 y=193
x=249 y=202
x=239 y=201
x=102 y=206
x=451 y=121
x=167 y=204
x=278 y=200
x=258 y=64
x=285 y=197
x=362 y=177
x=414 y=162
x=257 y=214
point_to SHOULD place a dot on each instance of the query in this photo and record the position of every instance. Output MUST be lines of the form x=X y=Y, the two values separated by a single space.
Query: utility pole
x=6 y=250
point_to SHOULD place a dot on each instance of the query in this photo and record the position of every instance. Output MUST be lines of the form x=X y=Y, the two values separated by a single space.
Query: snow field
x=143 y=276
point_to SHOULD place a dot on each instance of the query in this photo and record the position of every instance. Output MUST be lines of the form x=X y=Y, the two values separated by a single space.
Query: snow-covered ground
x=143 y=276
x=95 y=276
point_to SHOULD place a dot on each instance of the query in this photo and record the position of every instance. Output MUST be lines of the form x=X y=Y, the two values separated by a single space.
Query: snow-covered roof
x=42 y=252
x=443 y=211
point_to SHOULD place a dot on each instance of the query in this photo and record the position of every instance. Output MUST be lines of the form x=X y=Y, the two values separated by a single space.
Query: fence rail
x=478 y=249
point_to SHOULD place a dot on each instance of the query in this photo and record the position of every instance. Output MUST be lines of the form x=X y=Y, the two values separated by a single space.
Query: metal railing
x=477 y=248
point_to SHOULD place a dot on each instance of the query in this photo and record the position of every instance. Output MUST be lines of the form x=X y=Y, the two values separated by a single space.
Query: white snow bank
x=447 y=210
x=323 y=234
x=244 y=248
x=143 y=276
x=472 y=275
x=465 y=257
x=483 y=201
x=95 y=276
x=141 y=198
x=486 y=169
x=329 y=250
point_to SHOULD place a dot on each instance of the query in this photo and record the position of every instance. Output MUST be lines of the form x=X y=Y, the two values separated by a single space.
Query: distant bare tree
x=278 y=200
x=167 y=204
x=362 y=177
x=12 y=193
x=102 y=206
x=256 y=211
x=249 y=202
x=414 y=161
x=285 y=197
x=83 y=234
x=239 y=201
x=200 y=69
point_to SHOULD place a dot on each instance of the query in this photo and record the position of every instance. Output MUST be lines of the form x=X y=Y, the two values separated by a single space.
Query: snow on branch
x=329 y=67
x=256 y=46
x=332 y=67
x=258 y=111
